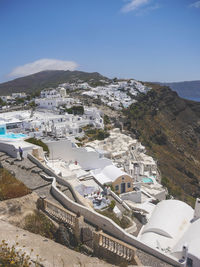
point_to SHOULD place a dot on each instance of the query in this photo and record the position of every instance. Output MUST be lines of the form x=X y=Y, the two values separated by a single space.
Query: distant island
x=187 y=89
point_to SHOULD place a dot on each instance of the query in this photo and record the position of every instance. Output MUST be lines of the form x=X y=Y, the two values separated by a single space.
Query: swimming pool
x=12 y=136
x=147 y=180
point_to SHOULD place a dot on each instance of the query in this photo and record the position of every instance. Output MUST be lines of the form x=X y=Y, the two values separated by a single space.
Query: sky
x=149 y=40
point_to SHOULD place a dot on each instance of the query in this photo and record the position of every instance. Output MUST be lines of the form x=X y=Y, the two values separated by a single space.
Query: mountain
x=169 y=127
x=40 y=80
x=188 y=90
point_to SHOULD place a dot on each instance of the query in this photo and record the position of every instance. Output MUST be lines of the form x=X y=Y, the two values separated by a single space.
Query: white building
x=83 y=86
x=6 y=98
x=63 y=92
x=111 y=175
x=50 y=103
x=174 y=228
x=18 y=95
x=49 y=93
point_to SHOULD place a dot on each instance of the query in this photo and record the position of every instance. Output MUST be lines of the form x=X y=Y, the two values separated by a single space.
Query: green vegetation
x=38 y=142
x=112 y=205
x=76 y=110
x=2 y=103
x=94 y=134
x=19 y=101
x=38 y=223
x=97 y=134
x=10 y=256
x=123 y=222
x=106 y=119
x=32 y=104
x=79 y=144
x=10 y=187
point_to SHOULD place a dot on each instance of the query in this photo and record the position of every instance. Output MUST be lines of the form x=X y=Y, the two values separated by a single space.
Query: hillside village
x=115 y=94
x=110 y=180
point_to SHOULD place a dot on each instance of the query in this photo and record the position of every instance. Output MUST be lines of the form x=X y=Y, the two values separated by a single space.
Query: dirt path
x=50 y=253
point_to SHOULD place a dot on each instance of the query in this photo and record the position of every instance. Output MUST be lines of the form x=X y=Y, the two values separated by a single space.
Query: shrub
x=9 y=256
x=124 y=222
x=79 y=144
x=76 y=110
x=111 y=215
x=96 y=134
x=106 y=119
x=38 y=142
x=112 y=205
x=102 y=135
x=38 y=223
x=91 y=131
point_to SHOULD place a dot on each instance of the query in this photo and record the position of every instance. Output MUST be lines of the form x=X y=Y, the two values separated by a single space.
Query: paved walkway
x=28 y=173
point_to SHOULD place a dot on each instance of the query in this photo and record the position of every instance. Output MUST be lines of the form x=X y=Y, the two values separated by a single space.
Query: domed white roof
x=169 y=221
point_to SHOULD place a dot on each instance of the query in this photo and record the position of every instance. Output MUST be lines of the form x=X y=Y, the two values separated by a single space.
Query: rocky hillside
x=170 y=128
x=40 y=80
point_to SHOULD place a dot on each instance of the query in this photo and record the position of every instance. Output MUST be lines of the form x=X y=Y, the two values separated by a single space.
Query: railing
x=116 y=246
x=59 y=213
x=105 y=241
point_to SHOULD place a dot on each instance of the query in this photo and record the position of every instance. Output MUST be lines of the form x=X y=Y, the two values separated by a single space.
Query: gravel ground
x=150 y=260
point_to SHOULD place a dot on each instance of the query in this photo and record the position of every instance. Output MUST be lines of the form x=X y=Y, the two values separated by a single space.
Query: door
x=123 y=188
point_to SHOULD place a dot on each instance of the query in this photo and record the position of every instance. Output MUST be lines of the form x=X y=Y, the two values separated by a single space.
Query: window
x=117 y=188
x=122 y=178
x=129 y=185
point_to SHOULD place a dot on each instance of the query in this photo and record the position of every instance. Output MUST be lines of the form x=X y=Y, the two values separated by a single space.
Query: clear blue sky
x=154 y=40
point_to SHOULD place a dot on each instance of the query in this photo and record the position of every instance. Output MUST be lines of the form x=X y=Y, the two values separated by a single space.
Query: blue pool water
x=12 y=136
x=147 y=180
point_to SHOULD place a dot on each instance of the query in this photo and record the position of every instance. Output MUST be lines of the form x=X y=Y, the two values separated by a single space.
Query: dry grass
x=10 y=187
x=38 y=223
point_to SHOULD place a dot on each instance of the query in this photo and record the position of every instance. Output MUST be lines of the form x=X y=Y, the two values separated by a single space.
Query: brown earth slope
x=169 y=126
x=35 y=82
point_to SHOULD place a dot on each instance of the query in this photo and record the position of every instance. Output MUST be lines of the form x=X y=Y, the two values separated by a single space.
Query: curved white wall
x=169 y=218
x=88 y=160
x=9 y=149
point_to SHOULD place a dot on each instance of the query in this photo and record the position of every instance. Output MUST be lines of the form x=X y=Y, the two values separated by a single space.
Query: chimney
x=197 y=209
x=184 y=254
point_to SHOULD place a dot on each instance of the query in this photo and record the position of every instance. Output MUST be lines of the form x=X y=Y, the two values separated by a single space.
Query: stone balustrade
x=61 y=214
x=116 y=246
x=114 y=250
